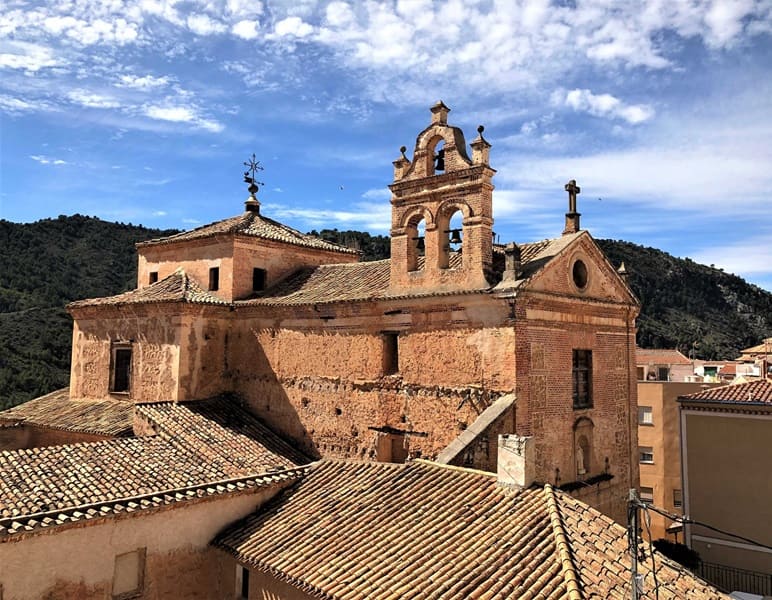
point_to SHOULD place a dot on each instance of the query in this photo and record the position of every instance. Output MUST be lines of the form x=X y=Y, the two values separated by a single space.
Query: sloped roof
x=228 y=429
x=661 y=356
x=177 y=287
x=57 y=411
x=764 y=347
x=752 y=392
x=370 y=280
x=251 y=224
x=190 y=457
x=353 y=530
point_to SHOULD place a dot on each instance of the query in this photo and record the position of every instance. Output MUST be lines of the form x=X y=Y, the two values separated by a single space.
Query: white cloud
x=603 y=105
x=373 y=217
x=751 y=256
x=91 y=100
x=377 y=194
x=159 y=213
x=202 y=24
x=246 y=30
x=146 y=82
x=244 y=9
x=182 y=114
x=294 y=27
x=26 y=56
x=46 y=160
x=14 y=105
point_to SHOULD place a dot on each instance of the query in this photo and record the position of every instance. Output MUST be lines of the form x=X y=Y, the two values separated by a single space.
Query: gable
x=581 y=270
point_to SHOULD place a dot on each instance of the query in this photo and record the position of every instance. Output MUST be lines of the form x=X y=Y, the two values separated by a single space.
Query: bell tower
x=426 y=254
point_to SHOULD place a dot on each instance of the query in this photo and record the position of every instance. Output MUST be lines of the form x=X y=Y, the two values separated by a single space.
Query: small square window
x=258 y=280
x=678 y=499
x=214 y=279
x=647 y=494
x=646 y=455
x=582 y=378
x=153 y=277
x=644 y=415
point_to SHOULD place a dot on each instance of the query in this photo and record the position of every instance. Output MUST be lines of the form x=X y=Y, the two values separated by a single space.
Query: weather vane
x=253 y=166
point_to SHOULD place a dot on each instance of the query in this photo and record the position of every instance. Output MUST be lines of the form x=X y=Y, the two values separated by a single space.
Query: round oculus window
x=579 y=274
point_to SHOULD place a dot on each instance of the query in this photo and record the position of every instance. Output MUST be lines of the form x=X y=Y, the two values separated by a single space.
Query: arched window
x=451 y=237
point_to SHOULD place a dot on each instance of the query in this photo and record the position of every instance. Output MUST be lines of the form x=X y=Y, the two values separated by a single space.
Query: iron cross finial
x=253 y=166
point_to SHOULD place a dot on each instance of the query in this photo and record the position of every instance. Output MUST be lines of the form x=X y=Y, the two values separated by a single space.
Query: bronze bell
x=420 y=244
x=455 y=236
x=440 y=160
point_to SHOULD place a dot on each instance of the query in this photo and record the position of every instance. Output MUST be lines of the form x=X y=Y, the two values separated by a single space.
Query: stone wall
x=323 y=381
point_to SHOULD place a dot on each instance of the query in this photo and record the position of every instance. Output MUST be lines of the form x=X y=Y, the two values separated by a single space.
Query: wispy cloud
x=182 y=114
x=603 y=105
x=47 y=160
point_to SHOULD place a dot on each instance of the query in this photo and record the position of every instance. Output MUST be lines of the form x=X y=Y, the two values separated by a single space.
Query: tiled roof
x=372 y=530
x=228 y=430
x=57 y=411
x=599 y=552
x=370 y=280
x=653 y=356
x=189 y=458
x=252 y=224
x=330 y=283
x=752 y=392
x=177 y=287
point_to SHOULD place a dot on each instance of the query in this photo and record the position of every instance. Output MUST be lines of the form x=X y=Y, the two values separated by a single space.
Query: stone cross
x=572 y=190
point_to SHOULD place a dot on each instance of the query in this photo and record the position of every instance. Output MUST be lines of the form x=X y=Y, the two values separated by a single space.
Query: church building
x=258 y=376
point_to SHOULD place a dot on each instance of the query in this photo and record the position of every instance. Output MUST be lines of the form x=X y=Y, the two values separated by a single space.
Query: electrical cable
x=689 y=521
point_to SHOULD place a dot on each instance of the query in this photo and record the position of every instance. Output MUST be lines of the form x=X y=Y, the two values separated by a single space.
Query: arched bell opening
x=435 y=156
x=416 y=243
x=452 y=239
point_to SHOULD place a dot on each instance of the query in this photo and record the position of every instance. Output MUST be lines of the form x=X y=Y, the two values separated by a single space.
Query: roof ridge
x=432 y=463
x=563 y=548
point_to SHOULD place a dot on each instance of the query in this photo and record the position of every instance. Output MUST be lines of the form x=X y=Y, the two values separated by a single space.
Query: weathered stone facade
x=429 y=342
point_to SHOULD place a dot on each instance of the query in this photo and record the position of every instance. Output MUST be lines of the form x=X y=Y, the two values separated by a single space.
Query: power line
x=689 y=521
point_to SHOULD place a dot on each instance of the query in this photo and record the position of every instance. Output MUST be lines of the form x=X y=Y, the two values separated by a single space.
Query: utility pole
x=632 y=542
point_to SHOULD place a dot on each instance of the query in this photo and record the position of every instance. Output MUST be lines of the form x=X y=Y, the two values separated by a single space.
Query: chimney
x=512 y=261
x=516 y=464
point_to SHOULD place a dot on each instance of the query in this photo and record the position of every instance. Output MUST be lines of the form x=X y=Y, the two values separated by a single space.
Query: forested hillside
x=45 y=265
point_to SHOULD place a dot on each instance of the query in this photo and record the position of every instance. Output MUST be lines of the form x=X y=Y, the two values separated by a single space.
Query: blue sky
x=143 y=111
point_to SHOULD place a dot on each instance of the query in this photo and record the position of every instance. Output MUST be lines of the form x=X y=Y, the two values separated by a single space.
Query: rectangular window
x=120 y=378
x=678 y=499
x=646 y=455
x=153 y=277
x=582 y=378
x=663 y=374
x=258 y=280
x=647 y=494
x=128 y=574
x=640 y=372
x=644 y=415
x=390 y=353
x=214 y=279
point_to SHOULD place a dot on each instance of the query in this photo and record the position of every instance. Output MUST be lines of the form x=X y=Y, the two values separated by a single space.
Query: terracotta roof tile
x=599 y=553
x=371 y=530
x=58 y=411
x=370 y=280
x=653 y=356
x=227 y=428
x=177 y=287
x=190 y=457
x=252 y=224
x=752 y=392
